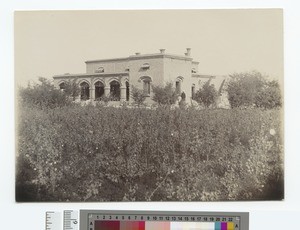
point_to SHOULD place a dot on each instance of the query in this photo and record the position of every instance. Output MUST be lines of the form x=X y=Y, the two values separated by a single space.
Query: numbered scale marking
x=53 y=221
x=71 y=221
x=119 y=217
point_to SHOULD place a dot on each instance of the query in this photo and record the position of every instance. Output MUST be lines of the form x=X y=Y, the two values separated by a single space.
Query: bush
x=72 y=89
x=207 y=95
x=251 y=89
x=243 y=87
x=138 y=95
x=43 y=95
x=269 y=96
x=112 y=154
x=164 y=95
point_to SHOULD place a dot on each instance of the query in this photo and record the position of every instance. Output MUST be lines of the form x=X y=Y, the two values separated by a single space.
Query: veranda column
x=123 y=93
x=78 y=97
x=92 y=93
x=107 y=91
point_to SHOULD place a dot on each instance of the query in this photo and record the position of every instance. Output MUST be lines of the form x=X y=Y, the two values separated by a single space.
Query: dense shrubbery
x=70 y=152
x=252 y=89
x=269 y=96
x=138 y=95
x=43 y=95
x=72 y=89
x=164 y=95
x=206 y=95
x=97 y=153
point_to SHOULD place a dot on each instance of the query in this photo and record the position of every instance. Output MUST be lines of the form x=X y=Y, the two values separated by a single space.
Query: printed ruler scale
x=71 y=220
x=53 y=221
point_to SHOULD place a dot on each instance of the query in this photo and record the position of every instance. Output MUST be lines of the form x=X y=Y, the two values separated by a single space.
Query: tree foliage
x=252 y=89
x=164 y=95
x=207 y=95
x=43 y=95
x=72 y=89
x=190 y=155
x=270 y=96
x=138 y=95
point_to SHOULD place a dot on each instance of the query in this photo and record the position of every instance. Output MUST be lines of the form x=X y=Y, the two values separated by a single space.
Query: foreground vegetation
x=96 y=153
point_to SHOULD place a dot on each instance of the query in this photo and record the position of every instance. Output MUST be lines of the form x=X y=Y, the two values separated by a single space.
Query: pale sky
x=223 y=41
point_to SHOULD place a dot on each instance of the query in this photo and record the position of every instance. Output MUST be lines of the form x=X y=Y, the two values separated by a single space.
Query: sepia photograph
x=149 y=105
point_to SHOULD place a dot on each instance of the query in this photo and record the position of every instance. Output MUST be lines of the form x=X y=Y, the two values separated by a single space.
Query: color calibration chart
x=141 y=220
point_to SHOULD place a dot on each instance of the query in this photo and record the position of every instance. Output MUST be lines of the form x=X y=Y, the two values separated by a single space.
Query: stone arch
x=179 y=78
x=84 y=80
x=147 y=78
x=61 y=81
x=145 y=66
x=62 y=85
x=115 y=91
x=114 y=79
x=99 y=79
x=124 y=80
x=99 y=89
x=84 y=90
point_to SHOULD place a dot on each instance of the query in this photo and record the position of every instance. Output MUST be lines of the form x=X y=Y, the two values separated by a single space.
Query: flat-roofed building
x=115 y=77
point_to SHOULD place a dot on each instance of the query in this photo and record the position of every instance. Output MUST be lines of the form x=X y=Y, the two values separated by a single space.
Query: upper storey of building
x=140 y=62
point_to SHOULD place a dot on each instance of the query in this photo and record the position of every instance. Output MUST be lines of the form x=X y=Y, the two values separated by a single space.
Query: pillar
x=92 y=93
x=123 y=93
x=107 y=91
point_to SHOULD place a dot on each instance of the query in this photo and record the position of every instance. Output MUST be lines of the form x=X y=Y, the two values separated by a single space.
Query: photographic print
x=149 y=105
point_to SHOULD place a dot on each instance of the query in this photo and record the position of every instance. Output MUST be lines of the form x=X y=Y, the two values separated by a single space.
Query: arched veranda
x=99 y=90
x=115 y=91
x=84 y=91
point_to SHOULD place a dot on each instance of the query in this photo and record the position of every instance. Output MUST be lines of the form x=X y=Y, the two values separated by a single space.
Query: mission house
x=114 y=77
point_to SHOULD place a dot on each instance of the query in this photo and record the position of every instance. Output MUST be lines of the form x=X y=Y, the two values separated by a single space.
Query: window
x=178 y=87
x=145 y=66
x=146 y=80
x=193 y=92
x=62 y=86
x=99 y=70
x=146 y=87
x=178 y=83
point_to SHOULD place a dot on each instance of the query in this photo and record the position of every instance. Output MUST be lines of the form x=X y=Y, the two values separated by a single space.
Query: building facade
x=114 y=78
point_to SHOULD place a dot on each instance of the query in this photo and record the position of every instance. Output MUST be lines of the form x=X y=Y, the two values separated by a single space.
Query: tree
x=269 y=96
x=207 y=95
x=43 y=95
x=242 y=88
x=252 y=89
x=164 y=95
x=72 y=89
x=138 y=95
